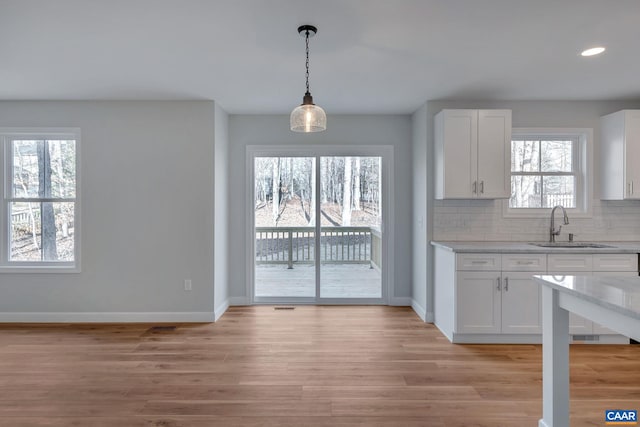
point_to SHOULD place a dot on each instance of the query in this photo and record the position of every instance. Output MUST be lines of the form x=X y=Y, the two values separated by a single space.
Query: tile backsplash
x=483 y=220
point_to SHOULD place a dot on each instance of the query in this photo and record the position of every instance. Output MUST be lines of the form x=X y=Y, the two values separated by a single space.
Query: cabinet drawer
x=524 y=262
x=615 y=262
x=478 y=262
x=569 y=263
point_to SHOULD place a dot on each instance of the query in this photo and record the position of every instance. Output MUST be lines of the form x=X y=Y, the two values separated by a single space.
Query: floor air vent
x=586 y=337
x=284 y=308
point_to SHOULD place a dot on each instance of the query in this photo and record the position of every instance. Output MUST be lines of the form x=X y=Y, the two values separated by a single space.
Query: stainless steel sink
x=570 y=245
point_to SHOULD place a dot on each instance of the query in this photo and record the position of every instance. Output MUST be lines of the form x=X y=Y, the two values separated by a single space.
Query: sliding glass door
x=350 y=237
x=284 y=218
x=317 y=222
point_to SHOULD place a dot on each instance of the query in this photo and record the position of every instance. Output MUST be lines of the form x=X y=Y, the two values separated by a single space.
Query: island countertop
x=619 y=294
x=531 y=248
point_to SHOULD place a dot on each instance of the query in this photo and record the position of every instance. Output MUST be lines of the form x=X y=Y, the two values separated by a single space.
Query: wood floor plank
x=322 y=366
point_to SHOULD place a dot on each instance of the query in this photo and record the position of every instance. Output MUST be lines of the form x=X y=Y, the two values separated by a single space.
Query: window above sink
x=550 y=166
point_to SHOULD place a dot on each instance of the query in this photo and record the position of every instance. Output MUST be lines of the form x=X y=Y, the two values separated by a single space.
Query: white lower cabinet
x=521 y=308
x=479 y=302
x=499 y=302
x=492 y=298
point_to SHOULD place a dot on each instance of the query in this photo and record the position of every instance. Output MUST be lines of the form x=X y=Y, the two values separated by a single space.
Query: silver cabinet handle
x=481 y=187
x=499 y=285
x=506 y=284
x=524 y=262
x=631 y=188
x=475 y=187
x=479 y=262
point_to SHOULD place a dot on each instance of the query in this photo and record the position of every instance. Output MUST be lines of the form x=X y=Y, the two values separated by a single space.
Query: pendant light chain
x=307 y=63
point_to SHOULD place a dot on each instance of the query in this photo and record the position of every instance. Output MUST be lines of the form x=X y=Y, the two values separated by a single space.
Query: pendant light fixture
x=308 y=117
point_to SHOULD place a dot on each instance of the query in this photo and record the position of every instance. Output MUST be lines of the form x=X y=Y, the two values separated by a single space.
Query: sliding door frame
x=318 y=151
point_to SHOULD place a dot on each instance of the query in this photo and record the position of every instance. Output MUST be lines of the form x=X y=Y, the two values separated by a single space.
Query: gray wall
x=221 y=221
x=421 y=231
x=147 y=214
x=247 y=130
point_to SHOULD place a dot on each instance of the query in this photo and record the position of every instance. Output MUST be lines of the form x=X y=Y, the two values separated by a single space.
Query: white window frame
x=6 y=265
x=583 y=167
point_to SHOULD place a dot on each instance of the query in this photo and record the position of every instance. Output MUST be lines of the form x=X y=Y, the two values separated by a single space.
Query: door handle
x=506 y=284
x=475 y=187
x=481 y=187
x=499 y=285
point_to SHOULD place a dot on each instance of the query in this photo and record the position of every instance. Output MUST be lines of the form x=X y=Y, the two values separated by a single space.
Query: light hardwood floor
x=312 y=366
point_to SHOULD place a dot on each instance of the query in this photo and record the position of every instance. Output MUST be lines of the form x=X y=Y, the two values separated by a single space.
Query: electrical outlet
x=187 y=284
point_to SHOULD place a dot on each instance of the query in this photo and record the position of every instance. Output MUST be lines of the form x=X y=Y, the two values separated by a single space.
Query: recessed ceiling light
x=592 y=51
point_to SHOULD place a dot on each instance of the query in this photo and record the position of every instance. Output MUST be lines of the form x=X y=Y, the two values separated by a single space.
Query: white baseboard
x=239 y=301
x=400 y=301
x=420 y=311
x=106 y=317
x=219 y=311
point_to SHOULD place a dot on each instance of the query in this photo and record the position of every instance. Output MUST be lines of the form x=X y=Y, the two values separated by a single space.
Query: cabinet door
x=456 y=136
x=615 y=263
x=632 y=153
x=521 y=304
x=494 y=161
x=478 y=302
x=573 y=265
x=478 y=262
x=579 y=325
x=597 y=328
x=536 y=263
x=570 y=264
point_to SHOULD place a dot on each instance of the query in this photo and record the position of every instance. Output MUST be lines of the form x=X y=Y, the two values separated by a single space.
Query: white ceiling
x=370 y=56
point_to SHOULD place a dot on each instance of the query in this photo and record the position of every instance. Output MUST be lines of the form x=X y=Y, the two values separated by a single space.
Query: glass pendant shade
x=308 y=118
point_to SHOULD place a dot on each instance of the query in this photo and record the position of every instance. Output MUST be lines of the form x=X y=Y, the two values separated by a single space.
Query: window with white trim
x=549 y=168
x=40 y=214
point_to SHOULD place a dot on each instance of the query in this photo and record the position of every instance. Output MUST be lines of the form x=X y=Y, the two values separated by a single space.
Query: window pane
x=44 y=169
x=525 y=192
x=62 y=155
x=25 y=168
x=559 y=190
x=25 y=239
x=42 y=231
x=556 y=156
x=525 y=156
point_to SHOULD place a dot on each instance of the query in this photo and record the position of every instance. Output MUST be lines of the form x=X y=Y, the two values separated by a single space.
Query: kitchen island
x=611 y=301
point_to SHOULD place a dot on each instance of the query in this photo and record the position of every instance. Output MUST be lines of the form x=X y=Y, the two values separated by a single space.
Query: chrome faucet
x=553 y=232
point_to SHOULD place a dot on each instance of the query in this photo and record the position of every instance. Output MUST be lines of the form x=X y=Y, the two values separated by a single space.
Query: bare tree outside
x=285 y=188
x=542 y=173
x=357 y=193
x=42 y=205
x=346 y=199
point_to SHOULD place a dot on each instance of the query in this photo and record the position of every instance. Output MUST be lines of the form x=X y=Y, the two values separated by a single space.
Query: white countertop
x=525 y=247
x=620 y=294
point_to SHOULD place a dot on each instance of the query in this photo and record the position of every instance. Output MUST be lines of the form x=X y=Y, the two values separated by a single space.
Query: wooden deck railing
x=340 y=245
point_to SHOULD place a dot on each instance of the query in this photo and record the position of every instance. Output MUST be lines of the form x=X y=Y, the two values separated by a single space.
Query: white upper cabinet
x=620 y=155
x=472 y=154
